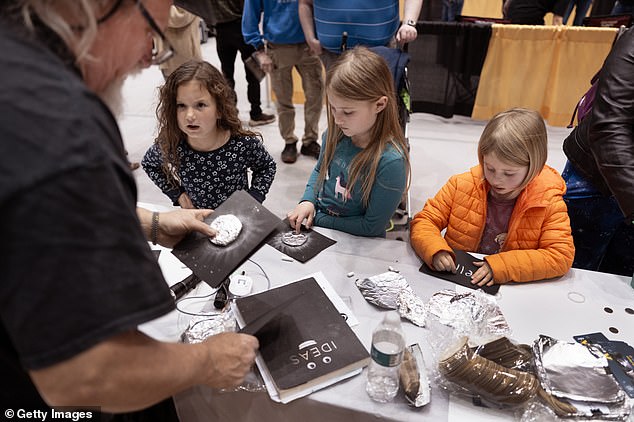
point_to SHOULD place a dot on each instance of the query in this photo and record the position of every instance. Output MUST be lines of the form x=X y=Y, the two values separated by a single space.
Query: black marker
x=181 y=288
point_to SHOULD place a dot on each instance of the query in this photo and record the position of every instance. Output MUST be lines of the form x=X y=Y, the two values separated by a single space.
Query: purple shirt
x=497 y=225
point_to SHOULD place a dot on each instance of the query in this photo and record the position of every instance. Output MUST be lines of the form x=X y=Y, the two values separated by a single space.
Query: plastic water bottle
x=388 y=344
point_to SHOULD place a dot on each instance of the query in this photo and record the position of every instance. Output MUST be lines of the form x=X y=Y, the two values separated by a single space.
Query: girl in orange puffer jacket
x=510 y=207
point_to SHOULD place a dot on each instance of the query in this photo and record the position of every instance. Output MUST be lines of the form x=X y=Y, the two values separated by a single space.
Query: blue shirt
x=337 y=207
x=280 y=22
x=368 y=22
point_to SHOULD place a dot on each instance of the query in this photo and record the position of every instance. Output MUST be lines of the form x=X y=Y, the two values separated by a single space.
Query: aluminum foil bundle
x=474 y=314
x=412 y=307
x=203 y=326
x=390 y=290
x=413 y=377
x=578 y=374
x=574 y=371
x=383 y=289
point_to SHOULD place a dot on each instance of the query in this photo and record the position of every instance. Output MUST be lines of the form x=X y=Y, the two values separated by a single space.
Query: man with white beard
x=78 y=275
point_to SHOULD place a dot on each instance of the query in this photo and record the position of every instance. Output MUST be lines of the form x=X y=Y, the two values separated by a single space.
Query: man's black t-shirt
x=76 y=267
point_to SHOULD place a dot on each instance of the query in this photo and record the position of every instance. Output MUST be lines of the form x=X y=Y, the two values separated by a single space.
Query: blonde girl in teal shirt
x=363 y=168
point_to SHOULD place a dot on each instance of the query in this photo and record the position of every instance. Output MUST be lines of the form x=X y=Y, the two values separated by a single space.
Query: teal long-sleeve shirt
x=336 y=207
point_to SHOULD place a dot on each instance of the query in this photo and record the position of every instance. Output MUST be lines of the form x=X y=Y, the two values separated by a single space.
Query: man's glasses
x=167 y=51
x=158 y=56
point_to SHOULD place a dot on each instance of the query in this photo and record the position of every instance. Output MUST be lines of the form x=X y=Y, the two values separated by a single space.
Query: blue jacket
x=280 y=22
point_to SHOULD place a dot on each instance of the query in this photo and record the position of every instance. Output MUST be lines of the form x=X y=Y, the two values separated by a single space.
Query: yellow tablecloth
x=482 y=8
x=545 y=68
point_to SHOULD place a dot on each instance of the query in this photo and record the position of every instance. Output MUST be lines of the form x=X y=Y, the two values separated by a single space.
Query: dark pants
x=581 y=7
x=228 y=42
x=603 y=240
x=451 y=9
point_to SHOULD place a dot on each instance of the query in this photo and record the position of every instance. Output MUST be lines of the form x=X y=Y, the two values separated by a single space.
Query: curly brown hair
x=169 y=134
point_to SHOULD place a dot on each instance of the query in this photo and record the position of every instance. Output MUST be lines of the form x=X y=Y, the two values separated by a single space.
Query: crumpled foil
x=383 y=289
x=412 y=307
x=418 y=391
x=474 y=314
x=390 y=290
x=203 y=326
x=294 y=239
x=227 y=228
x=574 y=371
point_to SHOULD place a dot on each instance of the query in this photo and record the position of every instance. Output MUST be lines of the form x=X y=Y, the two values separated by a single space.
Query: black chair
x=608 y=21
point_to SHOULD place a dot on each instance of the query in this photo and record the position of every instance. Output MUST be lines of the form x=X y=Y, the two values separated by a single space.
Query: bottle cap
x=392 y=316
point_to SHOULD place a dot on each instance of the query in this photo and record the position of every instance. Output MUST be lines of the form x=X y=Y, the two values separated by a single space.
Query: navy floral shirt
x=209 y=178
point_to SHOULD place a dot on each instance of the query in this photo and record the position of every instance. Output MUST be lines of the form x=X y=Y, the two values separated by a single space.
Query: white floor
x=439 y=147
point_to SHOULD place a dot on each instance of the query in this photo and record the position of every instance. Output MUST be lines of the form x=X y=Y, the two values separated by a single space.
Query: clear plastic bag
x=494 y=383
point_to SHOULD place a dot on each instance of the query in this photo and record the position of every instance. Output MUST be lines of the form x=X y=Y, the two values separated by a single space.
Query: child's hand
x=185 y=202
x=303 y=211
x=443 y=261
x=484 y=275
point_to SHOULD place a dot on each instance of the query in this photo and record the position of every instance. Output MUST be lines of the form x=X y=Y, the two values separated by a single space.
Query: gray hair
x=56 y=14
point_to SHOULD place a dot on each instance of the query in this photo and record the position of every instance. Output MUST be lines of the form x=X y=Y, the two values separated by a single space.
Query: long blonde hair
x=169 y=134
x=361 y=75
x=517 y=136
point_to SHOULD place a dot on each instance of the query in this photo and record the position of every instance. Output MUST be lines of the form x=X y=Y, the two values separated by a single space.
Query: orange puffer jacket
x=539 y=243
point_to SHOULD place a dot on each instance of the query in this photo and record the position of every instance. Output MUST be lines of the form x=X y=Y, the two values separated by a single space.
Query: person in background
x=227 y=21
x=599 y=173
x=363 y=168
x=202 y=154
x=581 y=10
x=623 y=7
x=532 y=12
x=183 y=33
x=280 y=48
x=366 y=23
x=451 y=9
x=509 y=207
x=78 y=275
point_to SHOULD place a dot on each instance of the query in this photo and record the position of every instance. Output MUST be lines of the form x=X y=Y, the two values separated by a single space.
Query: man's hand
x=264 y=60
x=315 y=47
x=174 y=225
x=406 y=33
x=230 y=358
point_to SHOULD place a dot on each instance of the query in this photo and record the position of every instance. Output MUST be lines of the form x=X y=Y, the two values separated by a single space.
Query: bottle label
x=386 y=359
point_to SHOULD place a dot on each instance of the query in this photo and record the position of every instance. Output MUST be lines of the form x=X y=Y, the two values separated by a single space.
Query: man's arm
x=411 y=10
x=306 y=18
x=251 y=24
x=174 y=225
x=131 y=371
